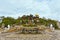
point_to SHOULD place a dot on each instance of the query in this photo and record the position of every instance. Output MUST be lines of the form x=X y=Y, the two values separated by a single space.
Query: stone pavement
x=48 y=36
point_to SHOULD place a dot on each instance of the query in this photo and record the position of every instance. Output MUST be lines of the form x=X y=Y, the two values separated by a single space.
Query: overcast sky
x=45 y=8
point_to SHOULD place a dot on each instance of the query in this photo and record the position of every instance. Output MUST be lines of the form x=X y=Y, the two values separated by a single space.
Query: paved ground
x=48 y=36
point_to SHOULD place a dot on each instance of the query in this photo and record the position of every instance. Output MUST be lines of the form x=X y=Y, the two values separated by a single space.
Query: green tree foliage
x=53 y=22
x=8 y=20
x=18 y=20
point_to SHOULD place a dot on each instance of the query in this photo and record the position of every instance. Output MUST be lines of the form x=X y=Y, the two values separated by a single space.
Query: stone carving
x=51 y=27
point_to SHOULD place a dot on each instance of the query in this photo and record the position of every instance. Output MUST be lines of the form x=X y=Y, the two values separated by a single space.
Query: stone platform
x=48 y=36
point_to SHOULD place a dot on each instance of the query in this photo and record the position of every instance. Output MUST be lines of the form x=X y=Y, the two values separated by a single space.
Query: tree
x=8 y=20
